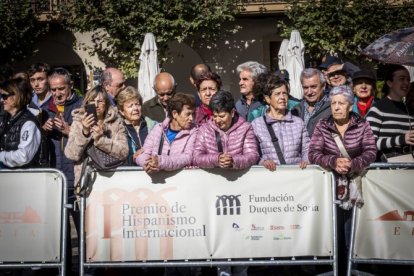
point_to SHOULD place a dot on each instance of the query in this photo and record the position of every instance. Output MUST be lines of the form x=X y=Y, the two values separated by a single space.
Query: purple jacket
x=358 y=140
x=174 y=156
x=292 y=135
x=239 y=141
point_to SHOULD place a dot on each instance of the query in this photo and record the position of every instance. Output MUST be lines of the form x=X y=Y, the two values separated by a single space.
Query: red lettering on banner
x=112 y=201
x=397 y=231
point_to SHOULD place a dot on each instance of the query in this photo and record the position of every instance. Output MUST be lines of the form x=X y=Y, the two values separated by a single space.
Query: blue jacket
x=59 y=141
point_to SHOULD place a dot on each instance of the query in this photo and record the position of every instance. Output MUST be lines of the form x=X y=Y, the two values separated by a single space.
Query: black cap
x=364 y=73
x=330 y=60
x=282 y=74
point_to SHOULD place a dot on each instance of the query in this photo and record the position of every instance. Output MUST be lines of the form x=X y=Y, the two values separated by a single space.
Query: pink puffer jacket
x=239 y=141
x=174 y=156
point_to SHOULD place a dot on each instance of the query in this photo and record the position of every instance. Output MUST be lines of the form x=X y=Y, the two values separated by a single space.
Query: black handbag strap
x=161 y=144
x=275 y=142
x=218 y=141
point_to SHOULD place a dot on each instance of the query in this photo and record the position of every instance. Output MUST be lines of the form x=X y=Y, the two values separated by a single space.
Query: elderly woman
x=292 y=142
x=137 y=127
x=169 y=146
x=226 y=141
x=389 y=119
x=358 y=143
x=105 y=131
x=364 y=86
x=207 y=85
x=20 y=135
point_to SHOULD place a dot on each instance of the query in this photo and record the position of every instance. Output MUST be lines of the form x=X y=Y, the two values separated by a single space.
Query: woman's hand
x=343 y=165
x=87 y=122
x=303 y=164
x=270 y=165
x=152 y=165
x=225 y=161
x=97 y=132
x=409 y=138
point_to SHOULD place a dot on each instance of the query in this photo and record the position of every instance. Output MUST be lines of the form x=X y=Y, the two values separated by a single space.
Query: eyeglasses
x=336 y=73
x=6 y=96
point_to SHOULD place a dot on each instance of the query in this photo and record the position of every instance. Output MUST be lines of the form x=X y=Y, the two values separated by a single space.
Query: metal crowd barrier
x=88 y=180
x=19 y=253
x=353 y=258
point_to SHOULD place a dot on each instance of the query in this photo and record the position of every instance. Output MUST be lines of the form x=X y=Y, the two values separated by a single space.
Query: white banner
x=30 y=216
x=385 y=224
x=197 y=214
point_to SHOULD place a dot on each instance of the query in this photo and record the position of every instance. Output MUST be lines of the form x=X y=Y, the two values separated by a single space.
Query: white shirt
x=30 y=138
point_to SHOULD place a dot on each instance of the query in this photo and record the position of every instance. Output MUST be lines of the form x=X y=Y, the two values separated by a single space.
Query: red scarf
x=206 y=111
x=363 y=109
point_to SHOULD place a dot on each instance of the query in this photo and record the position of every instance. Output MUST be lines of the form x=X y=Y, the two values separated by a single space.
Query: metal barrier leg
x=351 y=246
x=82 y=236
x=334 y=227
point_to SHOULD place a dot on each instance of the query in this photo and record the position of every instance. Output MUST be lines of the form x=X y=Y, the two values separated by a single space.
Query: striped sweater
x=389 y=122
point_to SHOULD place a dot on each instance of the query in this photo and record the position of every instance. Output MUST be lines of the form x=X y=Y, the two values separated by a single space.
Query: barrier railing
x=33 y=219
x=200 y=217
x=383 y=229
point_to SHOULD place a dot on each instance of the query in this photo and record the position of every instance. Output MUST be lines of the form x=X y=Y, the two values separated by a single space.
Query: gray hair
x=252 y=66
x=343 y=90
x=60 y=72
x=308 y=73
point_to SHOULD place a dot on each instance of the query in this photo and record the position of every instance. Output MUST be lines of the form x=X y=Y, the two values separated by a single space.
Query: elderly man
x=248 y=73
x=164 y=86
x=113 y=81
x=315 y=104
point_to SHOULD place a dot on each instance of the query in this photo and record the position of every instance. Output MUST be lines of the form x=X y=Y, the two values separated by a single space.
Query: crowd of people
x=341 y=124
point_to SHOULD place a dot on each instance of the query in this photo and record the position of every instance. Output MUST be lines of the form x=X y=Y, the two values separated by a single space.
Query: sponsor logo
x=281 y=237
x=295 y=226
x=257 y=228
x=398 y=229
x=254 y=238
x=236 y=227
x=276 y=227
x=228 y=205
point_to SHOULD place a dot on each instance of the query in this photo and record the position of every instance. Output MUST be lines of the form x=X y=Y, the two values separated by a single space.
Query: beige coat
x=114 y=141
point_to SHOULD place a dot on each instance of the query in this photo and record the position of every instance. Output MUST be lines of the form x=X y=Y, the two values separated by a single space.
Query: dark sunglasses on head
x=336 y=73
x=6 y=96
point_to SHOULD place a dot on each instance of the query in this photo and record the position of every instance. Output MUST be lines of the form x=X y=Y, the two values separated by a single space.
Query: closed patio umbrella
x=295 y=63
x=282 y=54
x=148 y=67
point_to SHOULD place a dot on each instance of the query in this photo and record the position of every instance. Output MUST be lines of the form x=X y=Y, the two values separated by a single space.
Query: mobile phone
x=91 y=109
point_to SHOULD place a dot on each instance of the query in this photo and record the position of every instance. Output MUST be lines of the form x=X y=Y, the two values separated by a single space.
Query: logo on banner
x=257 y=228
x=396 y=217
x=228 y=205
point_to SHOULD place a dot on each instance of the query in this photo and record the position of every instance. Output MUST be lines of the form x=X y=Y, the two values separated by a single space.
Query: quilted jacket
x=358 y=141
x=292 y=136
x=238 y=141
x=175 y=155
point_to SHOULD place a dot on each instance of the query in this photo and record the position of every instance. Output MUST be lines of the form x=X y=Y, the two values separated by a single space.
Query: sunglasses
x=6 y=96
x=336 y=73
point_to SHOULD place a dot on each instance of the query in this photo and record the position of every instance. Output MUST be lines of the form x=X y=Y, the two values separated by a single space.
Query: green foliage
x=119 y=26
x=343 y=26
x=19 y=29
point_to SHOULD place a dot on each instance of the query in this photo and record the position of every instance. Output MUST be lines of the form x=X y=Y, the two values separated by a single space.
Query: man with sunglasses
x=113 y=81
x=164 y=86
